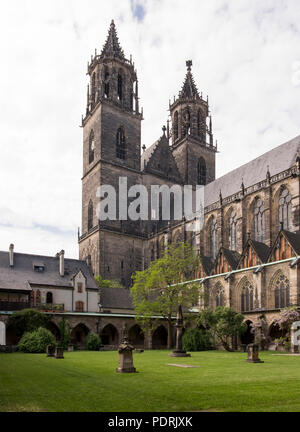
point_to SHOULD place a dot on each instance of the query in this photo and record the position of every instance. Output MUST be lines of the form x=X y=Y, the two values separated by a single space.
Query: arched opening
x=120 y=86
x=93 y=87
x=219 y=295
x=285 y=209
x=176 y=125
x=247 y=296
x=200 y=125
x=91 y=147
x=51 y=326
x=90 y=215
x=120 y=144
x=275 y=332
x=110 y=335
x=136 y=336
x=247 y=337
x=160 y=338
x=79 y=334
x=259 y=220
x=281 y=289
x=49 y=298
x=186 y=130
x=11 y=336
x=2 y=333
x=106 y=82
x=201 y=172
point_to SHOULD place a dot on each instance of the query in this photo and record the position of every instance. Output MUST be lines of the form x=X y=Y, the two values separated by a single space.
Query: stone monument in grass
x=125 y=354
x=50 y=350
x=59 y=352
x=253 y=350
x=179 y=351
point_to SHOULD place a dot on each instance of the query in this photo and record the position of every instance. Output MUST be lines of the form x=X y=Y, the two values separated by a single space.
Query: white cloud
x=243 y=55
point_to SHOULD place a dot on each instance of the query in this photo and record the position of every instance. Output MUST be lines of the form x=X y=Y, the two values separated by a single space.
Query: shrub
x=27 y=320
x=36 y=341
x=65 y=333
x=197 y=340
x=93 y=342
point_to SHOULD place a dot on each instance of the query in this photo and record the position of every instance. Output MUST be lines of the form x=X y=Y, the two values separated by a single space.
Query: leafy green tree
x=223 y=323
x=93 y=342
x=106 y=283
x=65 y=332
x=158 y=290
x=197 y=340
x=27 y=320
x=36 y=341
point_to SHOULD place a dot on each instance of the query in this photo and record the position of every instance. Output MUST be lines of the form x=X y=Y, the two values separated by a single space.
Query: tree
x=27 y=320
x=223 y=323
x=36 y=341
x=65 y=333
x=106 y=283
x=158 y=290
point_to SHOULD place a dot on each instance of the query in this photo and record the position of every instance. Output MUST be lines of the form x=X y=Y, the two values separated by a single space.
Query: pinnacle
x=189 y=88
x=112 y=46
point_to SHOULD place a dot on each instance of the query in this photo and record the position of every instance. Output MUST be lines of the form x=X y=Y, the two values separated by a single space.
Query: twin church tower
x=184 y=154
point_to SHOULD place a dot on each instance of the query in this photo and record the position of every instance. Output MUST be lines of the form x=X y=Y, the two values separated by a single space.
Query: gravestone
x=59 y=352
x=50 y=350
x=253 y=350
x=125 y=355
x=70 y=348
x=178 y=351
x=2 y=333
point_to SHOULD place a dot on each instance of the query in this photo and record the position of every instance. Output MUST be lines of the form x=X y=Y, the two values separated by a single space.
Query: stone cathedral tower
x=192 y=138
x=111 y=149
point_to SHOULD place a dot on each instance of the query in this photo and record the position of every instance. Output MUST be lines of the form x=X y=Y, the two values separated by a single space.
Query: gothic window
x=232 y=231
x=106 y=82
x=121 y=147
x=214 y=238
x=220 y=296
x=90 y=215
x=259 y=221
x=201 y=172
x=49 y=298
x=91 y=147
x=200 y=124
x=247 y=303
x=282 y=292
x=285 y=209
x=120 y=86
x=93 y=87
x=176 y=125
x=186 y=122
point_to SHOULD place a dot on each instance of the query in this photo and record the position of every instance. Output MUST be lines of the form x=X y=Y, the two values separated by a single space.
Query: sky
x=246 y=58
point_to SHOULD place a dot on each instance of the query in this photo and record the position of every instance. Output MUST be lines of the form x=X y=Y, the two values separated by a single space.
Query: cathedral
x=249 y=243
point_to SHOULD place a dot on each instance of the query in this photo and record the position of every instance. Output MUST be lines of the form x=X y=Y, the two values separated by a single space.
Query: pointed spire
x=189 y=89
x=112 y=46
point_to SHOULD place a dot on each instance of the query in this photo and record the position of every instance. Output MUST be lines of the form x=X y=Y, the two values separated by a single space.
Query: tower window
x=106 y=83
x=201 y=172
x=91 y=147
x=200 y=125
x=93 y=87
x=176 y=125
x=186 y=122
x=90 y=215
x=120 y=86
x=121 y=145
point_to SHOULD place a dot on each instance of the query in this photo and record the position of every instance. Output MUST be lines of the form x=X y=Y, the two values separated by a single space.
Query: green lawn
x=87 y=381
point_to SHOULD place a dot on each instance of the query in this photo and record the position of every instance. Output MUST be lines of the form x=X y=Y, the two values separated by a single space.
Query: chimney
x=11 y=255
x=61 y=262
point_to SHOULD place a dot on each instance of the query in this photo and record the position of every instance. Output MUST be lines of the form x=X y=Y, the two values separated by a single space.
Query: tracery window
x=90 y=215
x=200 y=125
x=220 y=295
x=176 y=125
x=259 y=221
x=214 y=238
x=121 y=145
x=232 y=231
x=201 y=172
x=282 y=291
x=285 y=209
x=120 y=86
x=186 y=122
x=106 y=82
x=247 y=297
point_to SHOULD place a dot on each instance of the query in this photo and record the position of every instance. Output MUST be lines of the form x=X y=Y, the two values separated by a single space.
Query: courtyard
x=87 y=381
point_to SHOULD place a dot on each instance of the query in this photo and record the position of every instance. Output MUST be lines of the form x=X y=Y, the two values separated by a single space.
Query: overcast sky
x=246 y=57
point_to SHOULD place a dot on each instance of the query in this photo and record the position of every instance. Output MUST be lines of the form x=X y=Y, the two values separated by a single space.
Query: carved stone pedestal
x=59 y=352
x=125 y=355
x=50 y=350
x=253 y=351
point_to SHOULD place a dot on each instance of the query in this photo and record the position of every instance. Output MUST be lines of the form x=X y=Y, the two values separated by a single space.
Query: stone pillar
x=2 y=333
x=295 y=337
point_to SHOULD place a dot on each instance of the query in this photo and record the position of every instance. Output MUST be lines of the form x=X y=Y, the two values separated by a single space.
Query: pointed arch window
x=201 y=172
x=90 y=215
x=220 y=295
x=120 y=86
x=285 y=209
x=176 y=125
x=106 y=82
x=91 y=147
x=186 y=122
x=282 y=292
x=200 y=125
x=247 y=297
x=214 y=238
x=121 y=144
x=259 y=221
x=232 y=231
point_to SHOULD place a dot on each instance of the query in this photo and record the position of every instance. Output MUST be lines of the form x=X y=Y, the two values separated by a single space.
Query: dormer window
x=39 y=267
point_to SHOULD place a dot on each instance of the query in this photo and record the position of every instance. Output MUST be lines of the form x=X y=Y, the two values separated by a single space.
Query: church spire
x=112 y=46
x=189 y=89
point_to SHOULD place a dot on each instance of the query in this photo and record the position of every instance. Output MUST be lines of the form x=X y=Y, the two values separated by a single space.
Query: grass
x=87 y=381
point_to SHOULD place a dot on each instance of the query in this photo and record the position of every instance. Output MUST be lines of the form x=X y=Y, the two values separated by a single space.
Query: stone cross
x=179 y=352
x=189 y=64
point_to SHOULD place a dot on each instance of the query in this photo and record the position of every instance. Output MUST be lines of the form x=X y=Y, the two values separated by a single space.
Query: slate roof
x=278 y=159
x=22 y=274
x=146 y=155
x=207 y=264
x=262 y=250
x=232 y=257
x=294 y=240
x=118 y=298
x=112 y=46
x=189 y=89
